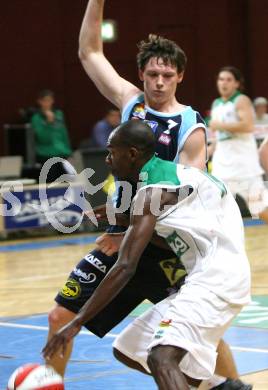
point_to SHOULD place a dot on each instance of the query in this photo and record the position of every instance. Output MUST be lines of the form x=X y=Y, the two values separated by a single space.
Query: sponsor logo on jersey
x=178 y=245
x=96 y=263
x=158 y=334
x=164 y=139
x=152 y=124
x=139 y=111
x=84 y=277
x=165 y=323
x=173 y=270
x=171 y=124
x=71 y=289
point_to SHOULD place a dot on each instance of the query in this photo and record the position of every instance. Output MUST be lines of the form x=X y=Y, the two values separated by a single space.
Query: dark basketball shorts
x=158 y=274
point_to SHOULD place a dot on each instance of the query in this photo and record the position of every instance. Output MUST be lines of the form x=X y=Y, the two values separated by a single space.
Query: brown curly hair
x=160 y=47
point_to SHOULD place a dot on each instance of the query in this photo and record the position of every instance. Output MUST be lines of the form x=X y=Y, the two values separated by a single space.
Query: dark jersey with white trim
x=171 y=130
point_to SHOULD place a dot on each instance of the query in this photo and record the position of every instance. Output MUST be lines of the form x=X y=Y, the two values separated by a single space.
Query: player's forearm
x=264 y=155
x=237 y=127
x=90 y=34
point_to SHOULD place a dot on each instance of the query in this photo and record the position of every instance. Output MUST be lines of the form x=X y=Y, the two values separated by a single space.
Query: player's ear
x=237 y=84
x=133 y=153
x=180 y=77
x=141 y=77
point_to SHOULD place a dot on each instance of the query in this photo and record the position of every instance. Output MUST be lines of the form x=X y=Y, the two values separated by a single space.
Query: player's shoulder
x=190 y=115
x=242 y=98
x=216 y=102
x=137 y=98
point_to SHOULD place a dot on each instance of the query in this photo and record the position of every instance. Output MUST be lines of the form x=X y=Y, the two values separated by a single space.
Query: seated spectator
x=104 y=127
x=261 y=115
x=260 y=119
x=51 y=135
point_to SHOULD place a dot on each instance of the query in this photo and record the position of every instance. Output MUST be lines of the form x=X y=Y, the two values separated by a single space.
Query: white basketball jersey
x=205 y=230
x=236 y=155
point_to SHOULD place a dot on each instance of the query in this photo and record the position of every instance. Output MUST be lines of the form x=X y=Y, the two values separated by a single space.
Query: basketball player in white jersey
x=263 y=152
x=236 y=159
x=197 y=216
x=180 y=134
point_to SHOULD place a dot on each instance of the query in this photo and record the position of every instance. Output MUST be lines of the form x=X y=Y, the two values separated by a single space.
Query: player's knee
x=154 y=358
x=118 y=355
x=162 y=356
x=59 y=316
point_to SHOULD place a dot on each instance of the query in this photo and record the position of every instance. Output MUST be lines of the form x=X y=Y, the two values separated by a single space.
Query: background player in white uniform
x=201 y=222
x=235 y=159
x=263 y=152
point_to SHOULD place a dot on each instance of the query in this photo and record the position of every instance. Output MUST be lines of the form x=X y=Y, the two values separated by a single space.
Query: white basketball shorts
x=194 y=319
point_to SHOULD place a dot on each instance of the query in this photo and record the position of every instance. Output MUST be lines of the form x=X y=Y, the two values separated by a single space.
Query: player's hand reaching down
x=58 y=342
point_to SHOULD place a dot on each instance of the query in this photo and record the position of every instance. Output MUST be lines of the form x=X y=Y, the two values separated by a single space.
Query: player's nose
x=159 y=81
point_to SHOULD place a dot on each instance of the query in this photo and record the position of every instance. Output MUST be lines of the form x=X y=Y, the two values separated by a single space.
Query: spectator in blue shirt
x=104 y=127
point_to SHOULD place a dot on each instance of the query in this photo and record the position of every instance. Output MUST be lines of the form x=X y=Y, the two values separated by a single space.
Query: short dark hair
x=137 y=134
x=237 y=75
x=44 y=93
x=111 y=110
x=159 y=47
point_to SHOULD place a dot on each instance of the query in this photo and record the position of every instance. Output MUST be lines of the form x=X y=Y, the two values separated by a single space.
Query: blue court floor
x=92 y=365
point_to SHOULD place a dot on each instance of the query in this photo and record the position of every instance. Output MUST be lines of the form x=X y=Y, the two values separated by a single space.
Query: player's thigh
x=149 y=282
x=195 y=321
x=133 y=341
x=118 y=309
x=84 y=279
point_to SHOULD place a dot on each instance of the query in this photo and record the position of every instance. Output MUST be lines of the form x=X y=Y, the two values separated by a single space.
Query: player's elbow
x=247 y=125
x=82 y=53
x=248 y=128
x=126 y=269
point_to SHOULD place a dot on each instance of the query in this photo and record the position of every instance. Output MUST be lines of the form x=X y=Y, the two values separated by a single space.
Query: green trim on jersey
x=217 y=182
x=224 y=135
x=219 y=100
x=157 y=171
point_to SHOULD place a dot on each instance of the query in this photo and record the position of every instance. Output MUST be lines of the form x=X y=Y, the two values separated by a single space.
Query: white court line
x=97 y=375
x=37 y=327
x=112 y=335
x=249 y=349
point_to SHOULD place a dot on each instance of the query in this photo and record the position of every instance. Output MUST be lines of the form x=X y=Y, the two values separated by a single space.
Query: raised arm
x=107 y=80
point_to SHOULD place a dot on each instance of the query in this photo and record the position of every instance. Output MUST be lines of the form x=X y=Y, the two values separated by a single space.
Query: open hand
x=59 y=341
